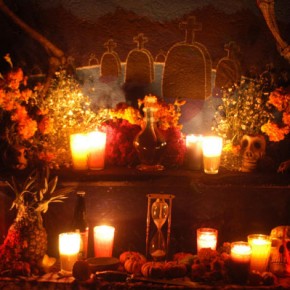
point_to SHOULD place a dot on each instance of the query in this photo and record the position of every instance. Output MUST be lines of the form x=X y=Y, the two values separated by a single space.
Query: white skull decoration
x=253 y=148
x=280 y=251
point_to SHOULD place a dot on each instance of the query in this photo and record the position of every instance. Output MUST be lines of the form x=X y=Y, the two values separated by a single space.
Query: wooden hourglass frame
x=153 y=198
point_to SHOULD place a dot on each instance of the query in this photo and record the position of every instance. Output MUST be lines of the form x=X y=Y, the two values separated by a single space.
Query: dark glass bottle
x=150 y=143
x=80 y=224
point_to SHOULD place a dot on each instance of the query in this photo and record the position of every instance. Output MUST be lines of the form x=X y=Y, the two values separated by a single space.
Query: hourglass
x=159 y=211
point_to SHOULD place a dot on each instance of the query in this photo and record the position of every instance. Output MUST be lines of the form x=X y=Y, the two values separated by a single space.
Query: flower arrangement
x=243 y=110
x=37 y=129
x=126 y=122
x=20 y=117
x=279 y=99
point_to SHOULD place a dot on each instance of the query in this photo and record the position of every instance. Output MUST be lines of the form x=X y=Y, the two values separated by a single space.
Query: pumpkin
x=153 y=270
x=174 y=269
x=133 y=264
x=185 y=258
x=129 y=254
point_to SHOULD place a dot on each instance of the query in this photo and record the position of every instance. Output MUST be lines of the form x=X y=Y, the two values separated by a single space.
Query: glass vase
x=150 y=143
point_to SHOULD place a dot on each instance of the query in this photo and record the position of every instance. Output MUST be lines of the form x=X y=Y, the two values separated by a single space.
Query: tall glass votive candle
x=193 y=151
x=96 y=150
x=212 y=149
x=79 y=151
x=69 y=247
x=261 y=249
x=206 y=238
x=240 y=258
x=104 y=240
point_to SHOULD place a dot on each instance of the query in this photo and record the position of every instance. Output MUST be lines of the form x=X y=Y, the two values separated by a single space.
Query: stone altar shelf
x=237 y=204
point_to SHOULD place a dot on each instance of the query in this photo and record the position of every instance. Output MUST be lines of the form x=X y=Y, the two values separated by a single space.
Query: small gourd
x=153 y=270
x=174 y=269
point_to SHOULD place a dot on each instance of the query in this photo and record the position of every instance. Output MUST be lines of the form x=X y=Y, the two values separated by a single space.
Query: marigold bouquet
x=277 y=129
x=36 y=130
x=20 y=117
x=126 y=122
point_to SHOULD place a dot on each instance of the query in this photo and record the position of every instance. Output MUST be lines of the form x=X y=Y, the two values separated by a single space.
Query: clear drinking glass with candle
x=193 y=151
x=212 y=149
x=69 y=247
x=261 y=249
x=206 y=238
x=79 y=151
x=104 y=240
x=96 y=148
x=240 y=262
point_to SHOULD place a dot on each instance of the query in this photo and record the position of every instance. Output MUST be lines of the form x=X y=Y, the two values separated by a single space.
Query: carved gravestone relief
x=110 y=66
x=228 y=71
x=140 y=63
x=187 y=70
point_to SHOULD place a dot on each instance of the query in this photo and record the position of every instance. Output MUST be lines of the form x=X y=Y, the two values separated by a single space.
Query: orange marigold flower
x=46 y=156
x=14 y=79
x=45 y=126
x=42 y=111
x=274 y=132
x=20 y=113
x=286 y=118
x=27 y=128
x=25 y=95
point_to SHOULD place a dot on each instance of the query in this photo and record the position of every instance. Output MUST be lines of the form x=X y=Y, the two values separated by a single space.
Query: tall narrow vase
x=150 y=143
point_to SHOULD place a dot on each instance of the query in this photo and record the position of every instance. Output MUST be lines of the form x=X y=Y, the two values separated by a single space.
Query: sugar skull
x=280 y=251
x=253 y=148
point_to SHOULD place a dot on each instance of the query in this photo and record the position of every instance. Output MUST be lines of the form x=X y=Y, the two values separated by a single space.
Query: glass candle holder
x=103 y=240
x=206 y=238
x=96 y=148
x=212 y=149
x=79 y=151
x=193 y=151
x=69 y=247
x=261 y=249
x=240 y=262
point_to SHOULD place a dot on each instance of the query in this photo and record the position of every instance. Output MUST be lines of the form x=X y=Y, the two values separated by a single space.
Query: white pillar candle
x=194 y=151
x=212 y=149
x=69 y=246
x=261 y=249
x=79 y=151
x=206 y=238
x=103 y=240
x=97 y=146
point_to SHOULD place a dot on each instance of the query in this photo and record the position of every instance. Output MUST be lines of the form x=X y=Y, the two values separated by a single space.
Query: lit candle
x=194 y=151
x=97 y=146
x=103 y=241
x=69 y=246
x=240 y=252
x=240 y=262
x=206 y=238
x=79 y=151
x=261 y=249
x=212 y=149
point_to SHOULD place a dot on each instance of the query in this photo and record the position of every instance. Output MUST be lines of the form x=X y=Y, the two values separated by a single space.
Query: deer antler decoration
x=267 y=8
